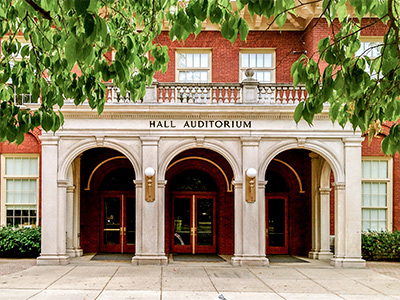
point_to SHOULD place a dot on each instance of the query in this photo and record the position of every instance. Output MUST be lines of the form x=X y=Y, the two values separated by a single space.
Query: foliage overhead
x=67 y=34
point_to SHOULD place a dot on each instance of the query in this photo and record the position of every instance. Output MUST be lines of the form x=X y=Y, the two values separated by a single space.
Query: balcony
x=248 y=92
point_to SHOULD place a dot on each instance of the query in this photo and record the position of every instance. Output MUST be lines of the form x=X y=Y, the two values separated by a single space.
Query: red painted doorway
x=276 y=232
x=194 y=222
x=118 y=222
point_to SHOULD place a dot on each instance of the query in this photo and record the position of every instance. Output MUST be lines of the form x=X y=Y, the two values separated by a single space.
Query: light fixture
x=251 y=174
x=150 y=188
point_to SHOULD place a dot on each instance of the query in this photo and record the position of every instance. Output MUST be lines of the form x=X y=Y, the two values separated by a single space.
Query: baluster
x=238 y=94
x=192 y=95
x=127 y=97
x=296 y=95
x=173 y=100
x=270 y=95
x=208 y=95
x=160 y=98
x=278 y=95
x=219 y=94
x=109 y=94
x=284 y=97
x=166 y=98
x=232 y=95
x=259 y=98
x=187 y=95
x=181 y=95
x=203 y=91
x=302 y=97
x=290 y=95
x=226 y=97
x=121 y=98
x=214 y=95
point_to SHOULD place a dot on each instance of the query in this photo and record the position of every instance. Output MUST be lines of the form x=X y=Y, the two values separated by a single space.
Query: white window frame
x=4 y=177
x=258 y=51
x=193 y=51
x=389 y=189
x=360 y=53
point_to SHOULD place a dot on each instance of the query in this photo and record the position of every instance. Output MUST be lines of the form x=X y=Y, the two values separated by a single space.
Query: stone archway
x=199 y=185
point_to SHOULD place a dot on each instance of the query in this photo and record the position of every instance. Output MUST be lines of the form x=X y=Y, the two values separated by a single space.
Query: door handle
x=266 y=232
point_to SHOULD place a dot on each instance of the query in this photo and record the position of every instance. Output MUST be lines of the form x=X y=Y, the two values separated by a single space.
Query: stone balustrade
x=249 y=91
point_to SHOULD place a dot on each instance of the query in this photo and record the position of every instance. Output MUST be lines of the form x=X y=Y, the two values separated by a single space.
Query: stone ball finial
x=249 y=73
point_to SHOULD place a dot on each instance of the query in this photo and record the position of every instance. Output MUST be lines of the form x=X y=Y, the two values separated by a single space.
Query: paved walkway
x=84 y=279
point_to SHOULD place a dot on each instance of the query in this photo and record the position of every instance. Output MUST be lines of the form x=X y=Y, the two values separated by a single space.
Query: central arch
x=199 y=203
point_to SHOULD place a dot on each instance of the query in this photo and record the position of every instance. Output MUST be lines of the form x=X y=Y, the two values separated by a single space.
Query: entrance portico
x=269 y=131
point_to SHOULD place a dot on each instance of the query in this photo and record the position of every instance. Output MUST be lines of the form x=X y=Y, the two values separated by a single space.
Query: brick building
x=210 y=161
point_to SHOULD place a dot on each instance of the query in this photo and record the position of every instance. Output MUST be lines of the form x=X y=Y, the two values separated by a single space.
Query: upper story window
x=20 y=190
x=376 y=194
x=193 y=65
x=262 y=61
x=370 y=47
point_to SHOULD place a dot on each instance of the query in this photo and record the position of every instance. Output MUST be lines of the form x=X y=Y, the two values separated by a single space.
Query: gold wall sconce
x=150 y=186
x=251 y=174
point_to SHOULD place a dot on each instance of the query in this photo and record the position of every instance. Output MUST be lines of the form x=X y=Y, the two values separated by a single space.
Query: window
x=193 y=66
x=376 y=194
x=20 y=186
x=370 y=47
x=262 y=61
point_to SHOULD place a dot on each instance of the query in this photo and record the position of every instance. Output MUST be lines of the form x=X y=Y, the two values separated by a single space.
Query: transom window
x=262 y=61
x=193 y=66
x=20 y=193
x=376 y=194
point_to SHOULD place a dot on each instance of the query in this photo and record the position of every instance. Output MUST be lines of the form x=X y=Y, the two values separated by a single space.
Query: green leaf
x=243 y=29
x=81 y=6
x=298 y=112
x=88 y=25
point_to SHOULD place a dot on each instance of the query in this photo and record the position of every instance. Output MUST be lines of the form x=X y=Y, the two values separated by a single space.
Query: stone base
x=250 y=261
x=158 y=260
x=350 y=263
x=320 y=255
x=75 y=252
x=45 y=259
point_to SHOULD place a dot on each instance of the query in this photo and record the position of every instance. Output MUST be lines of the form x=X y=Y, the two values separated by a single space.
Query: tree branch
x=45 y=14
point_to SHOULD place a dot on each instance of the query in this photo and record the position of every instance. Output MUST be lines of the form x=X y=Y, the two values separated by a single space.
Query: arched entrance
x=199 y=204
x=108 y=205
x=288 y=203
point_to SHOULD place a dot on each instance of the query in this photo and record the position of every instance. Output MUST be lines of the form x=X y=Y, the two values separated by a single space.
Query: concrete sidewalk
x=85 y=279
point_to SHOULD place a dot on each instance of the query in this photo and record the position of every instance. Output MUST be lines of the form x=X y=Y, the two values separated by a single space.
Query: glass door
x=194 y=222
x=276 y=225
x=118 y=223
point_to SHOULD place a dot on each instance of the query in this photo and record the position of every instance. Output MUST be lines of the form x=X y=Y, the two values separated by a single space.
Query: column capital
x=162 y=183
x=314 y=155
x=62 y=183
x=250 y=141
x=339 y=185
x=353 y=141
x=325 y=191
x=70 y=189
x=150 y=140
x=49 y=139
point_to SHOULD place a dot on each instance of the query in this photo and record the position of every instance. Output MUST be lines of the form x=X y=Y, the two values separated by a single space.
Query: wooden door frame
x=277 y=250
x=122 y=247
x=193 y=220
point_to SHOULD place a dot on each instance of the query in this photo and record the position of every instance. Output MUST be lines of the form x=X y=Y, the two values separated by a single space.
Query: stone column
x=76 y=241
x=150 y=215
x=53 y=217
x=250 y=217
x=324 y=198
x=70 y=221
x=315 y=206
x=348 y=214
